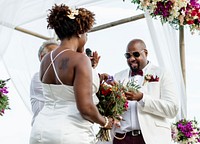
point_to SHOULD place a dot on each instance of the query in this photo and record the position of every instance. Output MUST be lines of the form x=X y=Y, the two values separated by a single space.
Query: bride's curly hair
x=65 y=26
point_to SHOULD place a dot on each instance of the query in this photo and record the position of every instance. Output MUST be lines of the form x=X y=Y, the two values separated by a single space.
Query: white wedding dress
x=60 y=122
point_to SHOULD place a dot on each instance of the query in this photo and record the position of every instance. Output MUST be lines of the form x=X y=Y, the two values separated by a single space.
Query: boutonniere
x=150 y=78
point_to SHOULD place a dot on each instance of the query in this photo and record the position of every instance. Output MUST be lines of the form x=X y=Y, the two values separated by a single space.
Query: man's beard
x=134 y=69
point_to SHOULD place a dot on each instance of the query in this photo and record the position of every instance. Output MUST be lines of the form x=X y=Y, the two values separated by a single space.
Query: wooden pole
x=32 y=33
x=104 y=26
x=182 y=52
x=182 y=57
x=115 y=23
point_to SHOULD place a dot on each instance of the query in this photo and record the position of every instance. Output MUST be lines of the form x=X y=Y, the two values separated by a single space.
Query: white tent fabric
x=18 y=51
x=167 y=51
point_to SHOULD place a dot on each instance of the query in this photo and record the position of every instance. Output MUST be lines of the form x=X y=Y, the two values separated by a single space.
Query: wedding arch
x=23 y=29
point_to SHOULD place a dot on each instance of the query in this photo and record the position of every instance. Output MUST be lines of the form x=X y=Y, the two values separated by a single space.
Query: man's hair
x=45 y=44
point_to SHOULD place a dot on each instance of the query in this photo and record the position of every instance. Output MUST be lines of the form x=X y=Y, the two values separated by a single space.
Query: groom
x=149 y=109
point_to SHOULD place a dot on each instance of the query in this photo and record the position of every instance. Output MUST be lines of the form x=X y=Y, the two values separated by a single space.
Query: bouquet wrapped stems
x=103 y=134
x=112 y=103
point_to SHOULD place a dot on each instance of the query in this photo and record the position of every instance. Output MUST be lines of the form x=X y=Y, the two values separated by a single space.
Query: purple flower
x=163 y=8
x=3 y=97
x=194 y=3
x=186 y=129
x=110 y=79
x=4 y=90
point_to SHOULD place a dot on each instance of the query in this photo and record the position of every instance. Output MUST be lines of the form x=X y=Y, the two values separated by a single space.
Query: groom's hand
x=134 y=95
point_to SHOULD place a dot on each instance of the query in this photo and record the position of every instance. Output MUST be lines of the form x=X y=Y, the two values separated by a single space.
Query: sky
x=16 y=123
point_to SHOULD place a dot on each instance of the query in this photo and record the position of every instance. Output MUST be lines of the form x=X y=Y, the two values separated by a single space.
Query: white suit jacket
x=160 y=104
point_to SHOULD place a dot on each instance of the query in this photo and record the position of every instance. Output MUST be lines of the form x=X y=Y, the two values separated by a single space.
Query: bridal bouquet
x=186 y=132
x=112 y=103
x=4 y=101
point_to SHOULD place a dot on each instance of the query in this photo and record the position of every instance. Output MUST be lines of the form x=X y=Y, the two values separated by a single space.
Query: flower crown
x=73 y=13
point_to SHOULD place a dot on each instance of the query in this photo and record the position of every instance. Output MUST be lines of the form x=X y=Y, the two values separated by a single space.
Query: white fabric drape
x=18 y=50
x=167 y=52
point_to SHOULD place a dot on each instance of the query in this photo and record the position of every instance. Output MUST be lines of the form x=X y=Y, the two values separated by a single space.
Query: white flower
x=72 y=14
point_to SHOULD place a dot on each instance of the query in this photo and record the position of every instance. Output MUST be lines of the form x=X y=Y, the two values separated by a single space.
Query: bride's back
x=62 y=66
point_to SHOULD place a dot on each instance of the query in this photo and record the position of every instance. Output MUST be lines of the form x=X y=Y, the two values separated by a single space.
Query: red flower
x=156 y=79
x=150 y=78
x=194 y=13
x=190 y=22
x=106 y=92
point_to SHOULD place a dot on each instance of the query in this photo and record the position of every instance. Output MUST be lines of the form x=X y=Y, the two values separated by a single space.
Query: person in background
x=36 y=93
x=94 y=57
x=147 y=119
x=67 y=78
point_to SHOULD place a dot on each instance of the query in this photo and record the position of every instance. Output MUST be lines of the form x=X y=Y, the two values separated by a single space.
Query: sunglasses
x=135 y=54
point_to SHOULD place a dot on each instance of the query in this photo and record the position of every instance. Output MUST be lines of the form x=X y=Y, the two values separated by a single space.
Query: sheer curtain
x=17 y=49
x=13 y=50
x=164 y=39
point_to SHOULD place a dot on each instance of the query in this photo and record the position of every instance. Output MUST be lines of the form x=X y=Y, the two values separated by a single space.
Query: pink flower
x=126 y=105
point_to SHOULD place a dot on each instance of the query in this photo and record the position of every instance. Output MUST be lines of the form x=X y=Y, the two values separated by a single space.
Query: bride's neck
x=71 y=44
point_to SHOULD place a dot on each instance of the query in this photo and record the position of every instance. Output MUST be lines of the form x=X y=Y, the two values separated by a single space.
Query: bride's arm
x=83 y=93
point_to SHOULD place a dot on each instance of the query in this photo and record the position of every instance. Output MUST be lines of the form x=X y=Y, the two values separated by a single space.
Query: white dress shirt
x=130 y=116
x=36 y=95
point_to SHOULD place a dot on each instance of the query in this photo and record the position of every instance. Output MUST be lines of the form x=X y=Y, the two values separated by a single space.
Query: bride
x=69 y=84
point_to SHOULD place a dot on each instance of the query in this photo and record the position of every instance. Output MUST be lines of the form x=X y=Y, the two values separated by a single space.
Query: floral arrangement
x=175 y=12
x=4 y=100
x=113 y=102
x=150 y=78
x=186 y=132
x=192 y=15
